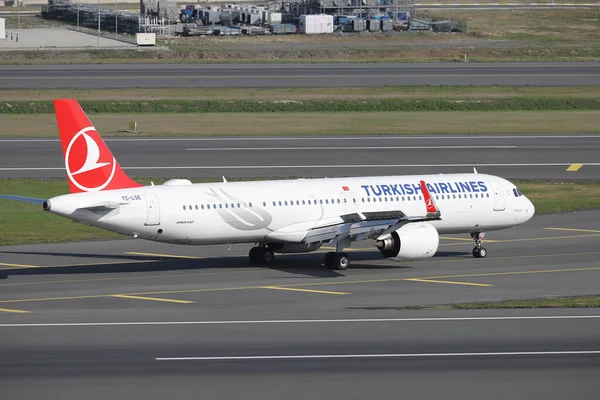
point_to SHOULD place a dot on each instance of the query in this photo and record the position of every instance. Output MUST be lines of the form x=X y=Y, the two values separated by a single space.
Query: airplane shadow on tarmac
x=298 y=264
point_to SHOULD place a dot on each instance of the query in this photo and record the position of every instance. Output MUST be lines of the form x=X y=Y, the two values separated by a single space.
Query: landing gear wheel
x=261 y=255
x=479 y=252
x=341 y=261
x=482 y=252
x=267 y=256
x=328 y=261
x=254 y=255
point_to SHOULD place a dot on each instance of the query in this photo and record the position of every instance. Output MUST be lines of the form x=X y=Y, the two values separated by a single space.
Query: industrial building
x=165 y=17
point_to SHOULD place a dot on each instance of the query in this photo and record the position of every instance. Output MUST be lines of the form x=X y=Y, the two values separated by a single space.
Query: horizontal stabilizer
x=104 y=206
x=23 y=199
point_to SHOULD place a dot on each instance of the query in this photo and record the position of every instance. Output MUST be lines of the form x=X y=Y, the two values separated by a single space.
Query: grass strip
x=408 y=54
x=318 y=123
x=24 y=223
x=272 y=94
x=557 y=302
x=313 y=105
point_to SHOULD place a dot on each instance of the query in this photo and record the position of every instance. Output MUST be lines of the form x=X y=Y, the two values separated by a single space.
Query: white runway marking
x=398 y=355
x=302 y=321
x=151 y=168
x=337 y=148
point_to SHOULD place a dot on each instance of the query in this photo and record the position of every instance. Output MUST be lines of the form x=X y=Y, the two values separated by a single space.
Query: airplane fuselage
x=284 y=210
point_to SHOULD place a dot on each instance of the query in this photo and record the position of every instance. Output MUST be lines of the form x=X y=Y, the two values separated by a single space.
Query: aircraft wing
x=359 y=226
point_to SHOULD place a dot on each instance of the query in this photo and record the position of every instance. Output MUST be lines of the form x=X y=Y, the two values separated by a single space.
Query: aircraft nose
x=529 y=209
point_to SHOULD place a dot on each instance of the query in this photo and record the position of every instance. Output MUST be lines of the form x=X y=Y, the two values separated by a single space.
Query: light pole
x=78 y=16
x=116 y=20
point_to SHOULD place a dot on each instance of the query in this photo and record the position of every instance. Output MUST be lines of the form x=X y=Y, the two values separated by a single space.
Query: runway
x=101 y=362
x=296 y=75
x=138 y=319
x=515 y=157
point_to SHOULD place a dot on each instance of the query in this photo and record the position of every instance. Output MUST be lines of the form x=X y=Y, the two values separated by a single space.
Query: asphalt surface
x=144 y=320
x=296 y=75
x=513 y=157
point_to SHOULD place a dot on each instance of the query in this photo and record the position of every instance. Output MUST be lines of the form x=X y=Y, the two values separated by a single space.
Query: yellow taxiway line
x=313 y=284
x=75 y=265
x=19 y=265
x=541 y=271
x=467 y=240
x=127 y=296
x=135 y=253
x=121 y=278
x=590 y=234
x=574 y=167
x=448 y=282
x=10 y=310
x=302 y=290
x=573 y=230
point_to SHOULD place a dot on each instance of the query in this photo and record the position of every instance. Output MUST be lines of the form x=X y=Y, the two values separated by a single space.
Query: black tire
x=476 y=252
x=341 y=261
x=267 y=256
x=482 y=252
x=328 y=260
x=254 y=255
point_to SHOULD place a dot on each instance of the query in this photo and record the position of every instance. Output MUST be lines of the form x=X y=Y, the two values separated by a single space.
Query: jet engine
x=412 y=241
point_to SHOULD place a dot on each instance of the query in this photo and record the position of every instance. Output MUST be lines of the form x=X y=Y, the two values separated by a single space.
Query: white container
x=145 y=39
x=316 y=24
x=2 y=28
x=272 y=18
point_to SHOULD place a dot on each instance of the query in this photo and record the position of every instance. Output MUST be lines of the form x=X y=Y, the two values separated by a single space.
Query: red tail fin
x=90 y=164
x=429 y=202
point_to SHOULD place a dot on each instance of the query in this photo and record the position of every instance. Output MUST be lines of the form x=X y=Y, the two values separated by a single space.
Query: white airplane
x=403 y=215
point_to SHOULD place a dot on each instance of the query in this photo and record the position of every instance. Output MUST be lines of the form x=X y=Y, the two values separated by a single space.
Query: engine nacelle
x=294 y=247
x=412 y=241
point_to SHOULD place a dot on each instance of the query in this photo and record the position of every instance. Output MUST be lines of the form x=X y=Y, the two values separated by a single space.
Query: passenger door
x=153 y=210
x=499 y=199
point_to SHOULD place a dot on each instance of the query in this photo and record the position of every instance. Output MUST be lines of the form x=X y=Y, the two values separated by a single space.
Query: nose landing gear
x=479 y=251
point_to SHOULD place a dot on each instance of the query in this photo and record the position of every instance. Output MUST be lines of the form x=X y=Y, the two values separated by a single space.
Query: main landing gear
x=479 y=251
x=261 y=255
x=337 y=261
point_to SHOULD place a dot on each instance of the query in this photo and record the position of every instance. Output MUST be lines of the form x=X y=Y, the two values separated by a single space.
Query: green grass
x=318 y=123
x=312 y=105
x=271 y=94
x=552 y=197
x=24 y=223
x=405 y=52
x=558 y=302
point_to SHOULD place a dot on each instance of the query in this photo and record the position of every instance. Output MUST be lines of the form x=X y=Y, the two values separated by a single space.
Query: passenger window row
x=285 y=203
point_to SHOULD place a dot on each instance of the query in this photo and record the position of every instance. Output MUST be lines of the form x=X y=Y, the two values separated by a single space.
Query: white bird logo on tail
x=93 y=156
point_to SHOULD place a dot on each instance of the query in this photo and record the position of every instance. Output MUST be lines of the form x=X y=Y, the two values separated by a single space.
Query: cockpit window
x=515 y=193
